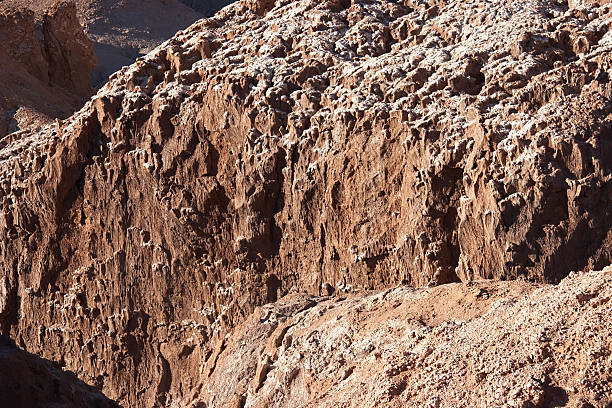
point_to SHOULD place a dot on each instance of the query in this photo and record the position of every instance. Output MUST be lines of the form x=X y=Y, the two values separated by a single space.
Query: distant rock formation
x=306 y=146
x=44 y=66
x=67 y=49
x=55 y=51
x=121 y=30
x=125 y=30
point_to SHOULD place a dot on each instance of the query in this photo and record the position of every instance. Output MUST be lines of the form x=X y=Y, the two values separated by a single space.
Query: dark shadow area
x=273 y=285
x=111 y=58
x=27 y=380
x=554 y=397
x=207 y=7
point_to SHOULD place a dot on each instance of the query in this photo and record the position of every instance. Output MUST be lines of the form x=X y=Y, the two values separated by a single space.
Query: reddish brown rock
x=55 y=50
x=69 y=52
x=44 y=66
x=308 y=146
x=496 y=344
x=125 y=30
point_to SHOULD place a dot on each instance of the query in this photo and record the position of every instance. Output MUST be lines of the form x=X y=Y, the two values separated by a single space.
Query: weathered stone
x=499 y=344
x=281 y=146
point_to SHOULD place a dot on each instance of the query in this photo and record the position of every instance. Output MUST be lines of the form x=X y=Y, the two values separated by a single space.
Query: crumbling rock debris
x=318 y=146
x=44 y=66
x=487 y=344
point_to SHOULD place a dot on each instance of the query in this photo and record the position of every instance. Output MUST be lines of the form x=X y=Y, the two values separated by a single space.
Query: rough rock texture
x=319 y=146
x=56 y=50
x=44 y=66
x=30 y=381
x=486 y=344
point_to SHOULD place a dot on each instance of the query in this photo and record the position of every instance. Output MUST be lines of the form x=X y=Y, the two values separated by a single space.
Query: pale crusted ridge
x=484 y=344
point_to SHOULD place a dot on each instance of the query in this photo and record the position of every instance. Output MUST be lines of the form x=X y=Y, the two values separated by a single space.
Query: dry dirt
x=324 y=147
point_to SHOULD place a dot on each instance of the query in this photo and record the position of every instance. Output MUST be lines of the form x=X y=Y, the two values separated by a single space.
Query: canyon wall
x=121 y=31
x=312 y=146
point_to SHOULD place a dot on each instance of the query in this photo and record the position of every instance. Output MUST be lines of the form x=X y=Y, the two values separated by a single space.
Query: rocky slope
x=125 y=30
x=484 y=344
x=304 y=146
x=44 y=65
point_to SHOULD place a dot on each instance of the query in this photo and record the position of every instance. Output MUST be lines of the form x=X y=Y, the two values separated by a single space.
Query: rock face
x=68 y=50
x=29 y=381
x=319 y=146
x=484 y=344
x=55 y=51
x=45 y=66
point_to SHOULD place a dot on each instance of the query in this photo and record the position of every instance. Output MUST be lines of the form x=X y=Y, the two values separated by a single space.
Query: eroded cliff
x=304 y=146
x=121 y=31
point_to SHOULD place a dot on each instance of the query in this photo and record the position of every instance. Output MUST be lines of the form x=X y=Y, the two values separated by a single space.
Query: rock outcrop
x=318 y=146
x=68 y=50
x=44 y=65
x=485 y=344
x=55 y=50
x=30 y=381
